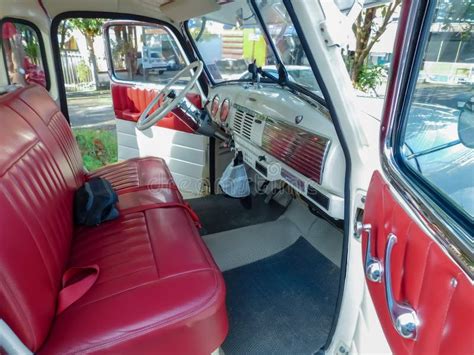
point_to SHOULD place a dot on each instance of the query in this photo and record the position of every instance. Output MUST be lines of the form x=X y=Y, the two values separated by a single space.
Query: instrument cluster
x=220 y=110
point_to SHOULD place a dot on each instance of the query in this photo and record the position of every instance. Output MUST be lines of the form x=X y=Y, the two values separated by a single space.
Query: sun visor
x=181 y=10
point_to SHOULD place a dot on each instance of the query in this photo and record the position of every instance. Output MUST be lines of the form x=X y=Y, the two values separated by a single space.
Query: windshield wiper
x=282 y=75
x=256 y=72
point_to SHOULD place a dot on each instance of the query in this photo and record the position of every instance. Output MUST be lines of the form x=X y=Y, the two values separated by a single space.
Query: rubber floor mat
x=282 y=304
x=220 y=213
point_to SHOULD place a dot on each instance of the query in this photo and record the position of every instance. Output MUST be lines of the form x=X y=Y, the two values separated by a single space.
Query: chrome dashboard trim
x=438 y=225
x=323 y=152
x=311 y=168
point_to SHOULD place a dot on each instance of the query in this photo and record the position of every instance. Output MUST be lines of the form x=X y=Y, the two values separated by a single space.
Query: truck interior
x=231 y=176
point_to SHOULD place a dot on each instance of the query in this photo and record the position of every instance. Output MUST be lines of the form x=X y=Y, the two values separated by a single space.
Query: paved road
x=444 y=95
x=91 y=110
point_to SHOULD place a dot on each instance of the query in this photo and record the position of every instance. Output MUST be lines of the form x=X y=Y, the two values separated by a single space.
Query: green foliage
x=32 y=51
x=98 y=147
x=368 y=28
x=88 y=26
x=30 y=42
x=83 y=72
x=370 y=77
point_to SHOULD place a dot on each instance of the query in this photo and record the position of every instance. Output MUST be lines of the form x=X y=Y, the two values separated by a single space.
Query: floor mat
x=282 y=304
x=220 y=213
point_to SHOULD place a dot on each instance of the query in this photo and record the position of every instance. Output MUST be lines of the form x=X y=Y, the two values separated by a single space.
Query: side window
x=87 y=87
x=23 y=53
x=143 y=53
x=438 y=141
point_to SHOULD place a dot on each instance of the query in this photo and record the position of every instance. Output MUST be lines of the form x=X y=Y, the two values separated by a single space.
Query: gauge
x=225 y=108
x=215 y=105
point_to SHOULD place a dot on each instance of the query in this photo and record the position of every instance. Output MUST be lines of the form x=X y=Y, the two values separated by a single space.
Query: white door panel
x=185 y=153
x=126 y=140
x=368 y=337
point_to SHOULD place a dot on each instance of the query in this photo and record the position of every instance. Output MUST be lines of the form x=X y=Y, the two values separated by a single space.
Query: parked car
x=151 y=59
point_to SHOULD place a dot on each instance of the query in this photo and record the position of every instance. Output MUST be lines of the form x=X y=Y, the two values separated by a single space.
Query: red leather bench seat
x=158 y=289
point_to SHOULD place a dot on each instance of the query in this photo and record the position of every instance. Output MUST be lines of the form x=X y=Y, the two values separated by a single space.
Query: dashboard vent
x=303 y=151
x=238 y=119
x=243 y=122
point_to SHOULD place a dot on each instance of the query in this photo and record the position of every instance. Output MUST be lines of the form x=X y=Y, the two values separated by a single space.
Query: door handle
x=404 y=317
x=373 y=267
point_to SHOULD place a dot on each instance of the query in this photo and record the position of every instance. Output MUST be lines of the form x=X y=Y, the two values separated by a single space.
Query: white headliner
x=169 y=10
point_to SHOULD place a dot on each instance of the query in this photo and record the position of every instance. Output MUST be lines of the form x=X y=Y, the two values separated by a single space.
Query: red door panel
x=130 y=101
x=423 y=276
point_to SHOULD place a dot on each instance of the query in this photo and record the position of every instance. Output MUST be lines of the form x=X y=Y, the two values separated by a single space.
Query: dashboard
x=284 y=137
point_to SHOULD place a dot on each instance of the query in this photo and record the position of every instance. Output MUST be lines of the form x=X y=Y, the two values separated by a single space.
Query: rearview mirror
x=466 y=124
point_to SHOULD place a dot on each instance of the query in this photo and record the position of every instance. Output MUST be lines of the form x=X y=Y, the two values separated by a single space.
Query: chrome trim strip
x=325 y=141
x=431 y=218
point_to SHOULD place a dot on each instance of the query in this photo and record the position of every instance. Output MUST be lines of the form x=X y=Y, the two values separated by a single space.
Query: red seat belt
x=75 y=283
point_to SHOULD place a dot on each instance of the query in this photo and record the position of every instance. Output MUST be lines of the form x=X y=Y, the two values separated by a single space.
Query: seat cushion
x=140 y=181
x=158 y=290
x=134 y=174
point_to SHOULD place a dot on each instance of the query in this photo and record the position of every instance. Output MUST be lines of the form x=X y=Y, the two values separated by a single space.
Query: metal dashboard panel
x=303 y=153
x=301 y=150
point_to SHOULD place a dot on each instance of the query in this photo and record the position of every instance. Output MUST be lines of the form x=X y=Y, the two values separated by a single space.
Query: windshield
x=287 y=43
x=231 y=38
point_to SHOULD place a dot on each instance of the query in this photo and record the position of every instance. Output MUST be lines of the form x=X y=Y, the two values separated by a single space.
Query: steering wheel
x=169 y=97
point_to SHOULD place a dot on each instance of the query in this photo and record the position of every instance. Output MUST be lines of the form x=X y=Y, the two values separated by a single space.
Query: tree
x=90 y=28
x=124 y=49
x=457 y=18
x=64 y=31
x=367 y=32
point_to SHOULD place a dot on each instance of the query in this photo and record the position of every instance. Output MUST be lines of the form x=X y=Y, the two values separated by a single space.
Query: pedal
x=280 y=196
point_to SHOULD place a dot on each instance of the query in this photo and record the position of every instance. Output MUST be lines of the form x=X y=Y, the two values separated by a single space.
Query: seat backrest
x=34 y=101
x=40 y=169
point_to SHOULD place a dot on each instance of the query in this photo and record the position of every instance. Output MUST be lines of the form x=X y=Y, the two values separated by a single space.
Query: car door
x=142 y=58
x=417 y=230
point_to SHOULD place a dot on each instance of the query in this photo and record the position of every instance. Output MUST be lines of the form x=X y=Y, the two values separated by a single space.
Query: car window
x=438 y=143
x=230 y=39
x=23 y=54
x=287 y=43
x=144 y=53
